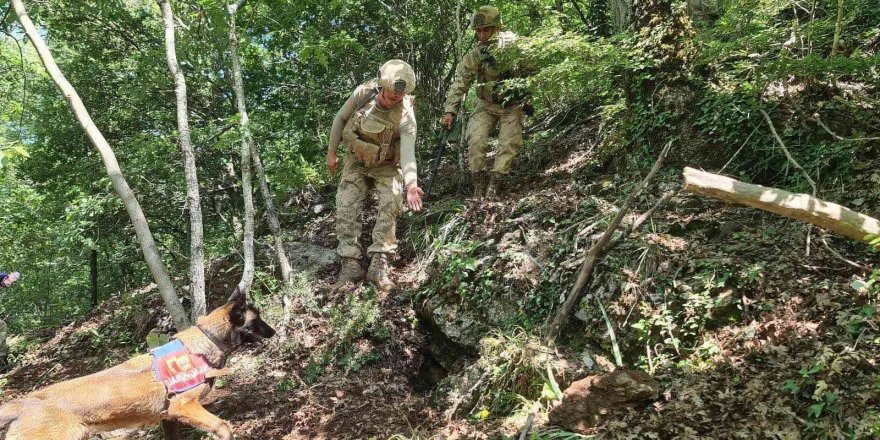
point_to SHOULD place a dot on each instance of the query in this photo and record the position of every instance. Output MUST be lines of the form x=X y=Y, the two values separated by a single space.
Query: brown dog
x=130 y=395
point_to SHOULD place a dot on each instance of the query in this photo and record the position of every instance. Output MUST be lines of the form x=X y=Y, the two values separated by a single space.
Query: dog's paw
x=224 y=432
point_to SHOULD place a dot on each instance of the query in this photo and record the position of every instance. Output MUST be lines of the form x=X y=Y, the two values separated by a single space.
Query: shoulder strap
x=366 y=100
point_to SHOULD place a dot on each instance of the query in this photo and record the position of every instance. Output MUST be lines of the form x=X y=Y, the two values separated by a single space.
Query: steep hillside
x=747 y=335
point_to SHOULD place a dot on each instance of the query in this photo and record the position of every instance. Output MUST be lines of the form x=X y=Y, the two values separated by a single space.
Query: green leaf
x=815 y=410
x=791 y=387
x=859 y=286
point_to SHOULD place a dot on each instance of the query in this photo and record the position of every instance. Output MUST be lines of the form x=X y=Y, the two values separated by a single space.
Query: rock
x=307 y=257
x=304 y=257
x=457 y=322
x=588 y=401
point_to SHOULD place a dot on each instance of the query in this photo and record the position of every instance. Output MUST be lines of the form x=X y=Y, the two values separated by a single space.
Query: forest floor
x=792 y=332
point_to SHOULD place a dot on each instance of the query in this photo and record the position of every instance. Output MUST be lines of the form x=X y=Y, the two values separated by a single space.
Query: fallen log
x=805 y=207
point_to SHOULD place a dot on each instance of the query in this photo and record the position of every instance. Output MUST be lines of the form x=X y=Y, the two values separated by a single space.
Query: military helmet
x=486 y=16
x=397 y=75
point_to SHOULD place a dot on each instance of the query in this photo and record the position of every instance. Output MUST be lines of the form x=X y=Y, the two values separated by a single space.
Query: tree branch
x=835 y=135
x=831 y=216
x=597 y=250
x=787 y=153
x=841 y=257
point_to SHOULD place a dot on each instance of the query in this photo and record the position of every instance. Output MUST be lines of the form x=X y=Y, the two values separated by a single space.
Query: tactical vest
x=487 y=73
x=381 y=127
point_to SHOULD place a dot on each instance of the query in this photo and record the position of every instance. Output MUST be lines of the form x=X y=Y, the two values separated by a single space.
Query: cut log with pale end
x=805 y=207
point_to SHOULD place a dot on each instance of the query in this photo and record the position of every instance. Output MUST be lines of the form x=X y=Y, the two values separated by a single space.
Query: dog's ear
x=238 y=300
x=237 y=296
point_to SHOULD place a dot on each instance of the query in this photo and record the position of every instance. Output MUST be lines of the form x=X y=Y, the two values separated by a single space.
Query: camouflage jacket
x=479 y=64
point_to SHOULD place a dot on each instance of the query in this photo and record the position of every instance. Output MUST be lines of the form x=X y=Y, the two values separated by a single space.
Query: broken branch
x=831 y=216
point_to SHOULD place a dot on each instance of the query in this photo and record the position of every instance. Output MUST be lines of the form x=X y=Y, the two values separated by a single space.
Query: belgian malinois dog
x=130 y=395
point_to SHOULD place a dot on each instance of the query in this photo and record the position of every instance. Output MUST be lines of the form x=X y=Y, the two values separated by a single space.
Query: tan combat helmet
x=397 y=75
x=486 y=16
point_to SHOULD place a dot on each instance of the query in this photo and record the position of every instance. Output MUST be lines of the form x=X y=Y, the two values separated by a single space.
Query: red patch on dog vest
x=177 y=368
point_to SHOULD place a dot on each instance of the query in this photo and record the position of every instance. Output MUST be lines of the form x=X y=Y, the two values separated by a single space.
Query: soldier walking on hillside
x=493 y=105
x=377 y=124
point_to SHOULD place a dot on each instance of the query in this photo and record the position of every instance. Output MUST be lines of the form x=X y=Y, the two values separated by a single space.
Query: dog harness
x=177 y=368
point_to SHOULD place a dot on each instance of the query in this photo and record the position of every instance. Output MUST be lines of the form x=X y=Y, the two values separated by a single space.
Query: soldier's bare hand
x=414 y=198
x=447 y=120
x=332 y=162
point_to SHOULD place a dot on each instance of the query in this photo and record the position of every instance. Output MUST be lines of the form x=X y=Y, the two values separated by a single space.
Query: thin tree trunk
x=193 y=198
x=93 y=277
x=271 y=212
x=559 y=6
x=135 y=213
x=621 y=14
x=246 y=140
x=838 y=28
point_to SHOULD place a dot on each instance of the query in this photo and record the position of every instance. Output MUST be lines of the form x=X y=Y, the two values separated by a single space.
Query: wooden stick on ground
x=529 y=421
x=597 y=250
x=805 y=207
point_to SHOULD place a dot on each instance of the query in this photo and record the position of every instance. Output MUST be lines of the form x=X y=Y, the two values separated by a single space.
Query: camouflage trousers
x=480 y=126
x=351 y=195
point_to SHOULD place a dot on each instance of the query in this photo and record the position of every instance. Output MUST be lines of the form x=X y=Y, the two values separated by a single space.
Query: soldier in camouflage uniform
x=377 y=125
x=491 y=108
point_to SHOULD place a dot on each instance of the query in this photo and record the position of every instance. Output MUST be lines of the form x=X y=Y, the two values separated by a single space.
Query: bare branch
x=787 y=153
x=805 y=207
x=597 y=250
x=841 y=257
x=835 y=135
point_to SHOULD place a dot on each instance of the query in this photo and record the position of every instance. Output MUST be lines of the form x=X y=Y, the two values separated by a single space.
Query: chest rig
x=488 y=74
x=380 y=127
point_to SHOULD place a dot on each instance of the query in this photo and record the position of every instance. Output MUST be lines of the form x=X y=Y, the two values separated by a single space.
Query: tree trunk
x=838 y=28
x=135 y=213
x=271 y=212
x=93 y=277
x=803 y=207
x=193 y=198
x=621 y=14
x=246 y=140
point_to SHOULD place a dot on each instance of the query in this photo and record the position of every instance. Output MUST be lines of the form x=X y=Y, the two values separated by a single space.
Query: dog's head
x=247 y=326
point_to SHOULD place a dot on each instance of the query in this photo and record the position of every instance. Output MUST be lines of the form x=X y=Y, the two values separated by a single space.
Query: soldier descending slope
x=493 y=106
x=377 y=124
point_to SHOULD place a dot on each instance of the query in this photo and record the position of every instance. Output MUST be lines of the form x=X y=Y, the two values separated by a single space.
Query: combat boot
x=378 y=272
x=494 y=185
x=350 y=271
x=480 y=179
